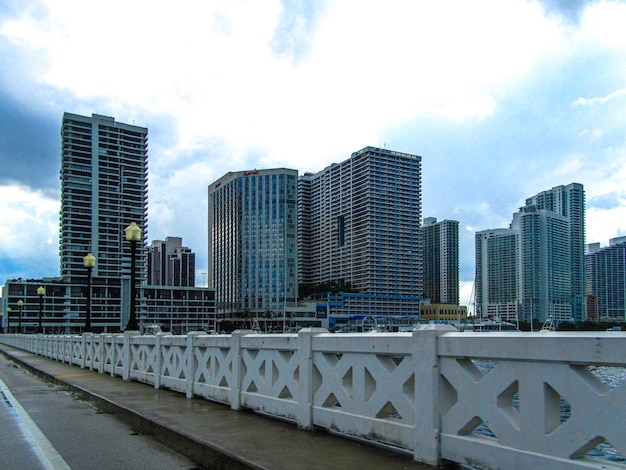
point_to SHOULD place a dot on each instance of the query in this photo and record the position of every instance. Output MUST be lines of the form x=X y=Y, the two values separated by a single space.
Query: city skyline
x=496 y=114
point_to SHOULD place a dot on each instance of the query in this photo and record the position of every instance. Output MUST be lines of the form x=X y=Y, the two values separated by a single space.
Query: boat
x=548 y=325
x=494 y=325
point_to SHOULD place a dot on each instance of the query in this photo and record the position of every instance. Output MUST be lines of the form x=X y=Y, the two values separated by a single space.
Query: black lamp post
x=89 y=261
x=133 y=235
x=20 y=304
x=8 y=327
x=41 y=291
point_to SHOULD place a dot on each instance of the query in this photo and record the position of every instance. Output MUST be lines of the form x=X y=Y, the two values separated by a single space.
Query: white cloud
x=211 y=67
x=602 y=99
x=466 y=295
x=211 y=70
x=30 y=229
x=604 y=224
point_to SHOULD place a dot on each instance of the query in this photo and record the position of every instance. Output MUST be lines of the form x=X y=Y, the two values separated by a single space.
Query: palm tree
x=267 y=315
x=246 y=317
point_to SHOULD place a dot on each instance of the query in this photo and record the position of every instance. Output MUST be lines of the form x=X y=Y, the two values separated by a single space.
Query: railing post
x=113 y=353
x=126 y=353
x=304 y=413
x=235 y=391
x=426 y=441
x=190 y=370
x=83 y=350
x=101 y=353
x=158 y=346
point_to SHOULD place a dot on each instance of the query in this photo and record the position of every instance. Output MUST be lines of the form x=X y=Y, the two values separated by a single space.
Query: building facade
x=104 y=187
x=497 y=274
x=63 y=306
x=252 y=243
x=606 y=281
x=170 y=263
x=364 y=218
x=544 y=266
x=569 y=201
x=535 y=269
x=441 y=260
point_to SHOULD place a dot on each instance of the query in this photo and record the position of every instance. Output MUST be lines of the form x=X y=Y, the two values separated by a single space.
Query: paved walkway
x=210 y=433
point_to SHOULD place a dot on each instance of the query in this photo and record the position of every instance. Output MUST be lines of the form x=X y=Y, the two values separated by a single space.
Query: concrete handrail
x=513 y=400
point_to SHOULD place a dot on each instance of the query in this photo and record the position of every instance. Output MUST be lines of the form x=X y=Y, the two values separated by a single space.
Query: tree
x=267 y=315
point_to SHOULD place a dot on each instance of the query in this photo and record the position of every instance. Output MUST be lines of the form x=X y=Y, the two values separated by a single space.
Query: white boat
x=548 y=325
x=494 y=325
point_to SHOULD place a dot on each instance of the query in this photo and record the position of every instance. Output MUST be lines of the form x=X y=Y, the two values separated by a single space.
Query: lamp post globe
x=20 y=304
x=89 y=262
x=133 y=235
x=41 y=291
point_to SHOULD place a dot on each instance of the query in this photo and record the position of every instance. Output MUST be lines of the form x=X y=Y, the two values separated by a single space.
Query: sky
x=501 y=99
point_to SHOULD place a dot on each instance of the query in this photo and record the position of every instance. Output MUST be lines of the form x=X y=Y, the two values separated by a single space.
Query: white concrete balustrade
x=490 y=400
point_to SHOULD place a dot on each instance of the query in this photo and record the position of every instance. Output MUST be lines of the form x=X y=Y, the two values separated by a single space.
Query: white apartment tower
x=362 y=219
x=104 y=187
x=252 y=243
x=548 y=237
x=441 y=260
x=497 y=273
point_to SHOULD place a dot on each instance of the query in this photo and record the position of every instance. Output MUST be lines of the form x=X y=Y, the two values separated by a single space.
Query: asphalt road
x=45 y=427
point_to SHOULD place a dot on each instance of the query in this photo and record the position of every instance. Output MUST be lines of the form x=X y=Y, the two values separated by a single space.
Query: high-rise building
x=441 y=260
x=606 y=281
x=252 y=243
x=497 y=273
x=549 y=264
x=362 y=220
x=104 y=187
x=569 y=201
x=545 y=264
x=170 y=263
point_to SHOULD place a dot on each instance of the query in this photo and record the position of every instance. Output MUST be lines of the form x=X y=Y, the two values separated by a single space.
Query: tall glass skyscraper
x=104 y=187
x=253 y=248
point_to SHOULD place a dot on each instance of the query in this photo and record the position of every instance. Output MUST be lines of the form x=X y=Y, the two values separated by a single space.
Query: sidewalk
x=210 y=433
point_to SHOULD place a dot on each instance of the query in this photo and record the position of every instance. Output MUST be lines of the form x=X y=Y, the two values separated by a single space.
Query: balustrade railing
x=490 y=400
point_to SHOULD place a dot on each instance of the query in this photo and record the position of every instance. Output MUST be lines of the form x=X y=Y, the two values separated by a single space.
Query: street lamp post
x=8 y=327
x=133 y=235
x=20 y=304
x=41 y=291
x=89 y=261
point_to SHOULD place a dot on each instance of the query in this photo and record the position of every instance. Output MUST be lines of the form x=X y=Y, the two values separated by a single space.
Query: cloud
x=29 y=146
x=497 y=114
x=601 y=100
x=230 y=72
x=604 y=224
x=29 y=232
